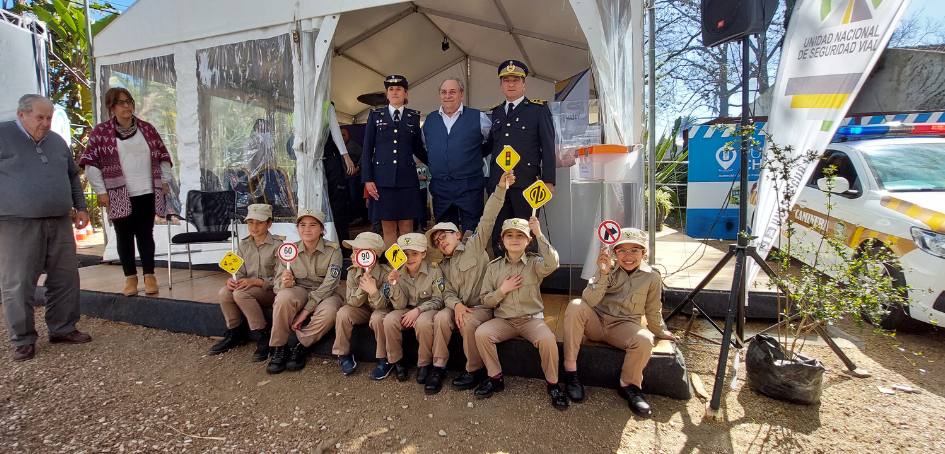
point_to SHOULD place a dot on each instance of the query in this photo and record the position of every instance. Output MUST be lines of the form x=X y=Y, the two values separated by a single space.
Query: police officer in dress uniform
x=525 y=125
x=391 y=140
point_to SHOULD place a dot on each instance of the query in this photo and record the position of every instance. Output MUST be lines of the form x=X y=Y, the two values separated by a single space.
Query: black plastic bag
x=770 y=373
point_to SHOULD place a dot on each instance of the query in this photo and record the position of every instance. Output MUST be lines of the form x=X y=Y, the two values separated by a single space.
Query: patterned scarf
x=125 y=132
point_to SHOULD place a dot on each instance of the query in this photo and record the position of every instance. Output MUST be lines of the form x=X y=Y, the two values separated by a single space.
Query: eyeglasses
x=440 y=237
x=125 y=102
x=622 y=252
x=42 y=156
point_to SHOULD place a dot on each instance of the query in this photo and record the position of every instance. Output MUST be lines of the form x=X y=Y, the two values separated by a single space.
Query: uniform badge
x=334 y=271
x=510 y=68
x=386 y=290
x=440 y=285
x=406 y=240
x=541 y=259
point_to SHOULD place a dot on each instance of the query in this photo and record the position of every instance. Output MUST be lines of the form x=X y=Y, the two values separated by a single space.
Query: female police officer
x=391 y=140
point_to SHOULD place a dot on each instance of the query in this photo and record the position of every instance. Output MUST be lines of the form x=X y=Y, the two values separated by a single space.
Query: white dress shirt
x=514 y=103
x=484 y=124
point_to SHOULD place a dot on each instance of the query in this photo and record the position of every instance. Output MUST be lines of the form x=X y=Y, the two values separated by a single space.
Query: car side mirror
x=839 y=185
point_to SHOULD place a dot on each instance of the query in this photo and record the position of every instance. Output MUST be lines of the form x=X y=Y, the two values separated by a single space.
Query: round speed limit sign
x=365 y=258
x=288 y=252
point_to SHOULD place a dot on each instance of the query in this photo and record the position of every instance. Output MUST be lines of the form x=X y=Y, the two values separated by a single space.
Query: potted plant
x=664 y=204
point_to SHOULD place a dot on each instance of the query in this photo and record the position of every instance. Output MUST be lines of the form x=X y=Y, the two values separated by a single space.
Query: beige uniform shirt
x=259 y=262
x=356 y=297
x=427 y=291
x=525 y=301
x=628 y=295
x=465 y=268
x=318 y=270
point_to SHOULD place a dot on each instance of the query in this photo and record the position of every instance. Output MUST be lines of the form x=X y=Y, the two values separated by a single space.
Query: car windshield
x=907 y=166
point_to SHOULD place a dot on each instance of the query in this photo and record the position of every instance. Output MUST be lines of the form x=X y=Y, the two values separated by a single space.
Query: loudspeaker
x=728 y=20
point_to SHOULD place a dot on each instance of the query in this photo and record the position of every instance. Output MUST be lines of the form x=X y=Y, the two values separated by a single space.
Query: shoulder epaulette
x=540 y=102
x=496 y=106
x=279 y=238
x=407 y=109
x=378 y=110
x=496 y=259
x=333 y=244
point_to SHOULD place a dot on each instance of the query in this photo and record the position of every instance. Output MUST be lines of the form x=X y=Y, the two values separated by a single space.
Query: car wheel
x=897 y=315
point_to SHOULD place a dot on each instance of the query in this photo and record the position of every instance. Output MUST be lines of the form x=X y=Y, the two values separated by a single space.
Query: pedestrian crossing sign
x=231 y=263
x=507 y=158
x=395 y=256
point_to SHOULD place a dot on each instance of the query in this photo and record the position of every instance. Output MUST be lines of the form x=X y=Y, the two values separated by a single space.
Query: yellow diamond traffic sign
x=395 y=256
x=537 y=194
x=507 y=158
x=231 y=263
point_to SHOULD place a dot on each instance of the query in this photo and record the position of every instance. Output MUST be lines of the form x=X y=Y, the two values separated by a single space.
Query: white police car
x=889 y=188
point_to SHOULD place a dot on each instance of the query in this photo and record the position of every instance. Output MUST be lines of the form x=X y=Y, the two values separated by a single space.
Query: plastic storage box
x=602 y=162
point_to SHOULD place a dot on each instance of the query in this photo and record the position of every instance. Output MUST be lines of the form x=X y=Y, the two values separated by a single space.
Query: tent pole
x=92 y=85
x=651 y=206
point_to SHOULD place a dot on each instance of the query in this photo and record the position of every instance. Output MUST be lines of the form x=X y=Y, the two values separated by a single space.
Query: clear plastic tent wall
x=152 y=83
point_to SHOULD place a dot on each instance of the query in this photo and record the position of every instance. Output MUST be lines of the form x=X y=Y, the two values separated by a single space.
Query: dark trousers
x=515 y=206
x=458 y=201
x=424 y=219
x=139 y=226
x=338 y=195
x=358 y=207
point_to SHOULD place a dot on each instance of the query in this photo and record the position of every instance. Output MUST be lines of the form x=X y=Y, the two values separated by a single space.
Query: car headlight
x=928 y=241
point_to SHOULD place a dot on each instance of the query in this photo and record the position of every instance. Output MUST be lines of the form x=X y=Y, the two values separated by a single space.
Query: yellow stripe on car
x=931 y=218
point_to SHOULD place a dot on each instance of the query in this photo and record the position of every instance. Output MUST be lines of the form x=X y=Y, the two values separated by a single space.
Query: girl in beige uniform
x=250 y=289
x=364 y=299
x=310 y=288
x=511 y=287
x=610 y=310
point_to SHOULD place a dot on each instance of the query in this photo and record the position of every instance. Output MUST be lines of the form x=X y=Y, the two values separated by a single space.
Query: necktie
x=397 y=116
x=509 y=112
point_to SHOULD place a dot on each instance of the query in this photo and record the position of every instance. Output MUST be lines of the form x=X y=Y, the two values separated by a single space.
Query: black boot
x=423 y=372
x=559 y=399
x=574 y=387
x=233 y=338
x=277 y=362
x=470 y=380
x=434 y=382
x=490 y=387
x=262 y=345
x=298 y=358
x=634 y=396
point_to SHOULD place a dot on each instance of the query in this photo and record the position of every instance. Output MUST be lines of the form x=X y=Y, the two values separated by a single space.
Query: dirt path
x=141 y=390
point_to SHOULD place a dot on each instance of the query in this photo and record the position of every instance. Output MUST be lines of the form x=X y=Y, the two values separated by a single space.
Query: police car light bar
x=889 y=129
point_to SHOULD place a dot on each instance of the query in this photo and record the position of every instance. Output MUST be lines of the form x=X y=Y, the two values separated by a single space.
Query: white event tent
x=204 y=72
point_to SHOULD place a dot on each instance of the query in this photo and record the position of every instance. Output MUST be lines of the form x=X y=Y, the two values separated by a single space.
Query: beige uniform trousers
x=237 y=304
x=289 y=301
x=347 y=317
x=444 y=323
x=533 y=330
x=393 y=336
x=580 y=320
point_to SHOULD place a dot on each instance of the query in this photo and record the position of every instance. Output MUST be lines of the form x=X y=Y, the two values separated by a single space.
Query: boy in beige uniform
x=312 y=286
x=610 y=309
x=251 y=287
x=463 y=266
x=364 y=299
x=416 y=295
x=512 y=286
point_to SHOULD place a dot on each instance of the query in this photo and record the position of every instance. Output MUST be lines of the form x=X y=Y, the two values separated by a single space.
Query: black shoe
x=574 y=387
x=435 y=380
x=262 y=345
x=423 y=372
x=401 y=370
x=298 y=358
x=470 y=380
x=277 y=362
x=559 y=399
x=490 y=387
x=232 y=339
x=634 y=397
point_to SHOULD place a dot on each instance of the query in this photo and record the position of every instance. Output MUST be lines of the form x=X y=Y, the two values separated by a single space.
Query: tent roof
x=376 y=38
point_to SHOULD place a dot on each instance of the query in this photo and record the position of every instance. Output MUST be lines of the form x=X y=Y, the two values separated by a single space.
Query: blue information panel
x=714 y=190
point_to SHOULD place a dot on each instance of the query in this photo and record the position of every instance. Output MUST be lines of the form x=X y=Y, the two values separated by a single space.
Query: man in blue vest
x=453 y=137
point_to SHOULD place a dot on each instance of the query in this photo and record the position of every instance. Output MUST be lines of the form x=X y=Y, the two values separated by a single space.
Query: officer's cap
x=632 y=236
x=516 y=224
x=317 y=214
x=513 y=68
x=413 y=241
x=259 y=212
x=367 y=240
x=395 y=81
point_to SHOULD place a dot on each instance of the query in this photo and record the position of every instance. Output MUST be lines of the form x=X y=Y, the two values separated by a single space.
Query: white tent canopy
x=278 y=53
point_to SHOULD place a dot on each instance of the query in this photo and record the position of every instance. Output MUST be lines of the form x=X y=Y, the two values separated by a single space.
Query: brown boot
x=150 y=284
x=131 y=285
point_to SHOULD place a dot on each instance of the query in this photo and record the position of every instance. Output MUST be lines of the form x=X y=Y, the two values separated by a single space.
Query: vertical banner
x=829 y=50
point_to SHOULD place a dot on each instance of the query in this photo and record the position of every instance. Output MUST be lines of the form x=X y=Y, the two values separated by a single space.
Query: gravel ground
x=135 y=389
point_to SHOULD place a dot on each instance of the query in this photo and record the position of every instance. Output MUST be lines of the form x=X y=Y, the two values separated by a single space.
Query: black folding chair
x=213 y=214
